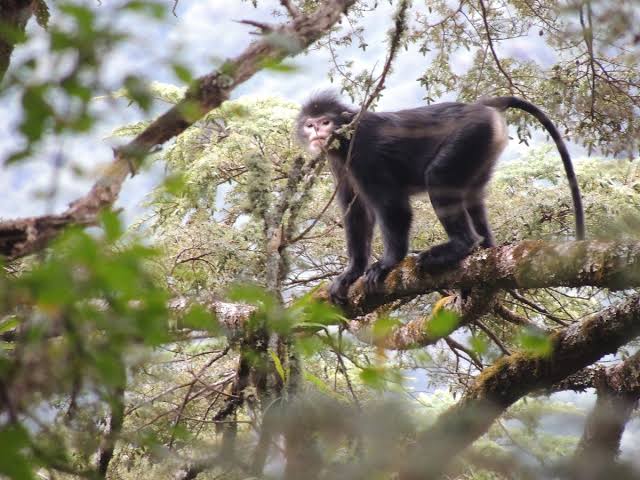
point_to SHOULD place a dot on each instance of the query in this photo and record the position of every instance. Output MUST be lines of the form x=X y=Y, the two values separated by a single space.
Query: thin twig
x=291 y=8
x=264 y=27
x=493 y=337
x=453 y=345
x=587 y=33
x=400 y=25
x=512 y=86
x=538 y=308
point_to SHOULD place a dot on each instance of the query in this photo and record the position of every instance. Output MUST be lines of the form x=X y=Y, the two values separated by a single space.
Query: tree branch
x=513 y=377
x=25 y=236
x=618 y=393
x=116 y=421
x=512 y=85
x=528 y=264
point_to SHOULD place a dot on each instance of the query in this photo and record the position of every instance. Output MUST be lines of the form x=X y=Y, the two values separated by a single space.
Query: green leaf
x=111 y=225
x=191 y=110
x=61 y=40
x=9 y=324
x=236 y=110
x=151 y=318
x=152 y=9
x=200 y=318
x=110 y=368
x=278 y=66
x=373 y=377
x=252 y=295
x=321 y=313
x=535 y=343
x=321 y=385
x=479 y=344
x=49 y=285
x=309 y=345
x=83 y=16
x=80 y=246
x=37 y=113
x=73 y=87
x=383 y=326
x=11 y=34
x=18 y=156
x=182 y=72
x=442 y=323
x=182 y=432
x=138 y=91
x=278 y=364
x=313 y=326
x=13 y=462
x=175 y=184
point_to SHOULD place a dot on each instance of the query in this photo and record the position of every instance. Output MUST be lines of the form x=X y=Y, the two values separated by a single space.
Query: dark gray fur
x=447 y=149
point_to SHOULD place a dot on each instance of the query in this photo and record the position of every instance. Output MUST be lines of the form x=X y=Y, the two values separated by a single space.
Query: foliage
x=77 y=39
x=123 y=354
x=78 y=319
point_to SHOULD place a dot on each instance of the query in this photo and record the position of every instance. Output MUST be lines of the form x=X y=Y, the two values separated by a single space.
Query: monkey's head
x=319 y=117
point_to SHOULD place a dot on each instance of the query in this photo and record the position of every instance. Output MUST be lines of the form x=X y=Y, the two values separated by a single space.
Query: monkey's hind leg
x=462 y=237
x=474 y=203
x=448 y=186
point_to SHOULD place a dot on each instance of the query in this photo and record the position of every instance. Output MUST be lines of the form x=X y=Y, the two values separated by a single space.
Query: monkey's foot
x=374 y=276
x=339 y=289
x=441 y=258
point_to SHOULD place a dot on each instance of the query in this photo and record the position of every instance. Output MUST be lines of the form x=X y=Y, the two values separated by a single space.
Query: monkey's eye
x=309 y=125
x=326 y=122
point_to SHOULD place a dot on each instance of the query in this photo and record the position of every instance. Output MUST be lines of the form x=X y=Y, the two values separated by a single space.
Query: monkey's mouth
x=318 y=141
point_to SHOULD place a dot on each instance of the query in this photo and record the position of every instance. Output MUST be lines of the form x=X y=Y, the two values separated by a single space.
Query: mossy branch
x=515 y=376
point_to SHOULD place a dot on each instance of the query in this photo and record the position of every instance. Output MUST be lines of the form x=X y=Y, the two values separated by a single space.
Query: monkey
x=446 y=149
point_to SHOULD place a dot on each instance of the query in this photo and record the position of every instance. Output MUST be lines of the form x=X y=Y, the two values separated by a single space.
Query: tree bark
x=512 y=377
x=527 y=264
x=537 y=264
x=618 y=392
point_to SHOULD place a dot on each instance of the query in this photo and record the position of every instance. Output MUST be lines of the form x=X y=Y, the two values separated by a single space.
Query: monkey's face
x=316 y=131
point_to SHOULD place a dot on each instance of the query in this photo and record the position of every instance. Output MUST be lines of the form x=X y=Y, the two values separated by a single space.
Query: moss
x=393 y=280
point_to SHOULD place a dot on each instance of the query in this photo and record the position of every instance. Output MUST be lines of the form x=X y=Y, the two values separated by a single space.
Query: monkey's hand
x=375 y=275
x=339 y=289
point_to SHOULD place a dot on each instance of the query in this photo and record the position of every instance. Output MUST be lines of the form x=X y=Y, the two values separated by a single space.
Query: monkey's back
x=396 y=148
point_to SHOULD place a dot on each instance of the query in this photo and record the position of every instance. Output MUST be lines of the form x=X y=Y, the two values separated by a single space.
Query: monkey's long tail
x=502 y=103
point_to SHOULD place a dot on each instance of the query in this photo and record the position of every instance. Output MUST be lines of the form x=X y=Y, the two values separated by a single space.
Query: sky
x=202 y=33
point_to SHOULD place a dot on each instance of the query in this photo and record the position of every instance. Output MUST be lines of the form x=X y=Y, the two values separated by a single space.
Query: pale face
x=317 y=131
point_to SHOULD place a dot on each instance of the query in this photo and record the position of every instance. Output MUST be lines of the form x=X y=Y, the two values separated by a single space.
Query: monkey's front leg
x=395 y=221
x=358 y=225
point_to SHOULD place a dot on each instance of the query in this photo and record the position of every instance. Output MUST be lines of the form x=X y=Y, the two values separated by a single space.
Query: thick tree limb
x=417 y=333
x=25 y=236
x=528 y=264
x=618 y=393
x=512 y=377
x=577 y=382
